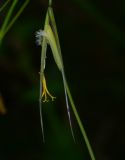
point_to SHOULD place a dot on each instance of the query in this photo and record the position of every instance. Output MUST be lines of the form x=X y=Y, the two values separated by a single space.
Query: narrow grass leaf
x=4 y=5
x=6 y=24
x=67 y=104
x=7 y=18
x=16 y=16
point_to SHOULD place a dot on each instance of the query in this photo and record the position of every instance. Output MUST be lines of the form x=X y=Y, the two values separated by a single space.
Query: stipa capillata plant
x=8 y=21
x=49 y=36
x=45 y=37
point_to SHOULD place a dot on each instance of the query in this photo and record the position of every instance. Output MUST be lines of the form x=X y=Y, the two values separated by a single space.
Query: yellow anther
x=45 y=91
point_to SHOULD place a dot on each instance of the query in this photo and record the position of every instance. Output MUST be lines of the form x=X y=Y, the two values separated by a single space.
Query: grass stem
x=7 y=18
x=80 y=123
x=4 y=5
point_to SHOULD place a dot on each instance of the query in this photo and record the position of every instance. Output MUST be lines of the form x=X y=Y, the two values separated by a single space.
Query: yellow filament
x=45 y=91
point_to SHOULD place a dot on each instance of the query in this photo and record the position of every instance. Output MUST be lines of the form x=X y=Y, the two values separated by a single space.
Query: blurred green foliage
x=92 y=33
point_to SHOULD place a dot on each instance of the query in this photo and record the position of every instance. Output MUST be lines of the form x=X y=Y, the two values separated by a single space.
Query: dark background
x=92 y=38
